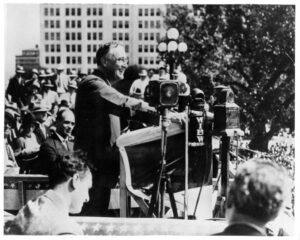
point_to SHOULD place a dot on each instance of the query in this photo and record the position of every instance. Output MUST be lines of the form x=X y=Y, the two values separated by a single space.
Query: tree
x=251 y=48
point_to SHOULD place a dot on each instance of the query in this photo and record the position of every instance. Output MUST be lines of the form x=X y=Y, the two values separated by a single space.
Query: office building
x=29 y=59
x=72 y=33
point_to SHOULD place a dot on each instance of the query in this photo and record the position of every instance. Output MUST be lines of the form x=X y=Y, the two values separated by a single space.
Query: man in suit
x=58 y=144
x=97 y=110
x=42 y=131
x=255 y=198
x=62 y=80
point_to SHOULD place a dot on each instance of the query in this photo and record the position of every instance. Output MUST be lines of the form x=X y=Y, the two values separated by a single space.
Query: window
x=152 y=24
x=140 y=60
x=146 y=60
x=78 y=36
x=100 y=36
x=120 y=24
x=57 y=12
x=52 y=60
x=146 y=36
x=78 y=24
x=51 y=24
x=47 y=60
x=140 y=24
x=157 y=12
x=57 y=24
x=52 y=48
x=78 y=48
x=94 y=11
x=94 y=24
x=78 y=11
x=146 y=48
x=140 y=12
x=57 y=48
x=67 y=11
x=79 y=60
x=126 y=12
x=152 y=36
x=73 y=36
x=89 y=23
x=73 y=60
x=52 y=36
x=46 y=11
x=146 y=24
x=152 y=11
x=140 y=48
x=157 y=37
x=114 y=12
x=157 y=24
x=94 y=36
x=46 y=48
x=67 y=36
x=89 y=60
x=140 y=36
x=58 y=36
x=94 y=48
x=73 y=24
x=51 y=12
x=120 y=36
x=126 y=36
x=73 y=11
x=73 y=48
x=146 y=12
x=120 y=12
x=94 y=60
x=88 y=11
x=89 y=36
x=46 y=24
x=100 y=11
x=151 y=48
x=88 y=47
x=126 y=24
x=68 y=60
x=127 y=48
x=151 y=60
x=46 y=36
x=100 y=24
x=57 y=59
x=114 y=24
x=67 y=48
x=67 y=24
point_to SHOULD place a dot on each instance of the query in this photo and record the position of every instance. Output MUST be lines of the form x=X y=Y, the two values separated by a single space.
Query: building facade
x=72 y=33
x=29 y=59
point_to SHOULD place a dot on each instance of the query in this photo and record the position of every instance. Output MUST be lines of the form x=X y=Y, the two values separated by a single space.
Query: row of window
x=72 y=24
x=51 y=12
x=52 y=60
x=120 y=12
x=52 y=24
x=56 y=60
x=147 y=48
x=122 y=36
x=120 y=24
x=149 y=36
x=73 y=36
x=94 y=24
x=73 y=48
x=52 y=36
x=150 y=24
x=146 y=60
x=52 y=48
x=149 y=12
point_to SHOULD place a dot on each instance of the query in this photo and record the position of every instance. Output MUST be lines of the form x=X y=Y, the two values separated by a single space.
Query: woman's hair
x=64 y=167
x=27 y=121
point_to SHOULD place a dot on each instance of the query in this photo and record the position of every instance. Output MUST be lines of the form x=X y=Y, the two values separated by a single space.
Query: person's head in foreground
x=48 y=214
x=255 y=197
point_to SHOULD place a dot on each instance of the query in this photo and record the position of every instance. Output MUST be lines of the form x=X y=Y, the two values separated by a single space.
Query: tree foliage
x=250 y=48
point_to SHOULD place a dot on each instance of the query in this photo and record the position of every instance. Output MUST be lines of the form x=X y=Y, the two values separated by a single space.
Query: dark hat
x=20 y=69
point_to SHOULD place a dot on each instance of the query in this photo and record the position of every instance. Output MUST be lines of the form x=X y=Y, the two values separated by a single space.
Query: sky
x=21 y=31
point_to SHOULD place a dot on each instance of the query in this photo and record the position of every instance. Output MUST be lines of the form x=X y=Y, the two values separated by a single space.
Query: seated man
x=49 y=213
x=255 y=198
x=58 y=144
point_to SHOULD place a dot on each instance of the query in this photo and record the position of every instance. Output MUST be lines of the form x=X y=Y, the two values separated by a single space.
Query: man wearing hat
x=70 y=96
x=138 y=87
x=42 y=131
x=49 y=97
x=16 y=87
x=62 y=80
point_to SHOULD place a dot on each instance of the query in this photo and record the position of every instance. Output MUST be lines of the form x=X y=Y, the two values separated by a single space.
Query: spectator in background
x=58 y=144
x=10 y=165
x=255 y=198
x=150 y=74
x=28 y=145
x=61 y=81
x=42 y=131
x=49 y=97
x=16 y=87
x=162 y=73
x=49 y=213
x=138 y=87
x=70 y=96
